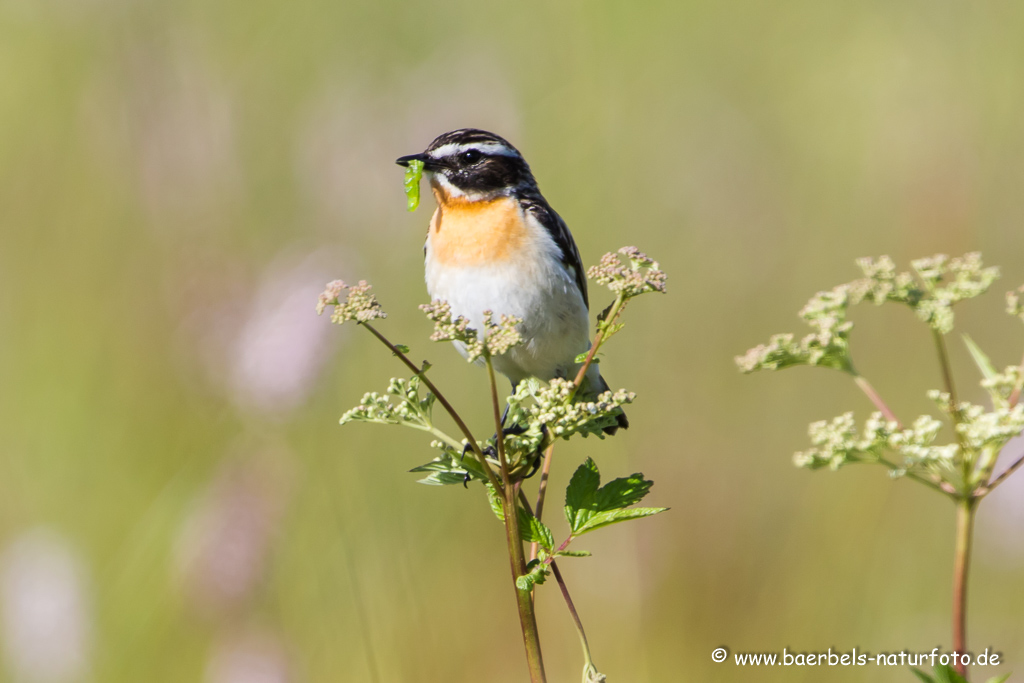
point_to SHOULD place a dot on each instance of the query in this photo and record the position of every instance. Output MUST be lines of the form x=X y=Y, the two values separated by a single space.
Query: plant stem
x=967 y=459
x=1002 y=477
x=940 y=486
x=517 y=560
x=443 y=401
x=869 y=390
x=947 y=373
x=961 y=564
x=613 y=315
x=588 y=662
x=542 y=490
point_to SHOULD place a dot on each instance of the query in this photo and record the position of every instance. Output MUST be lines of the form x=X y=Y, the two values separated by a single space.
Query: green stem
x=588 y=661
x=542 y=490
x=517 y=560
x=967 y=459
x=1001 y=478
x=443 y=401
x=961 y=565
x=940 y=486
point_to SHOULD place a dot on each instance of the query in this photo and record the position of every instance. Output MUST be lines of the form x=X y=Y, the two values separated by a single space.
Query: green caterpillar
x=412 y=183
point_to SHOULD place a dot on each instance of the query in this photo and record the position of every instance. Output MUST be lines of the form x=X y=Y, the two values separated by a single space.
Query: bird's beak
x=404 y=161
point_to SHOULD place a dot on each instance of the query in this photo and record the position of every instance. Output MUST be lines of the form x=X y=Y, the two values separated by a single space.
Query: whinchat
x=495 y=244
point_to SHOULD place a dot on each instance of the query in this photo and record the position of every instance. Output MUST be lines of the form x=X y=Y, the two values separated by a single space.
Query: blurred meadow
x=179 y=178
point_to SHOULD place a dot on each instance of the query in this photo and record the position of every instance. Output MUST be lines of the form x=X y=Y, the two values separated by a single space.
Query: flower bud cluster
x=359 y=305
x=837 y=443
x=1002 y=385
x=827 y=346
x=1015 y=302
x=981 y=428
x=496 y=338
x=564 y=417
x=642 y=274
x=409 y=409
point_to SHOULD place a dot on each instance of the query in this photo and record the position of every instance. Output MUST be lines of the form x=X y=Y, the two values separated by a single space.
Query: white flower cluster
x=495 y=339
x=827 y=346
x=359 y=305
x=981 y=429
x=837 y=443
x=1015 y=302
x=643 y=274
x=564 y=418
x=409 y=409
x=944 y=282
x=1002 y=385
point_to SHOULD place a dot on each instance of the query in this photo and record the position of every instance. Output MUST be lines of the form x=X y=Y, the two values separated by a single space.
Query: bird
x=495 y=244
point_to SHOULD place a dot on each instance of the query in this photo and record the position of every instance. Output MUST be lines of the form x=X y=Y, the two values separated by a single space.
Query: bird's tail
x=593 y=385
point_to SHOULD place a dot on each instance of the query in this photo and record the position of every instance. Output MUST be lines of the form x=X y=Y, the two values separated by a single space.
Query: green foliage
x=589 y=506
x=413 y=172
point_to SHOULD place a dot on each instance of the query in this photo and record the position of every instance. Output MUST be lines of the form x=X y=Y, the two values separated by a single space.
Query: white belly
x=544 y=296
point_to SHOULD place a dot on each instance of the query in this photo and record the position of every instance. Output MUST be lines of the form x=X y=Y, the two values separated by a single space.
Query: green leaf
x=947 y=674
x=495 y=502
x=582 y=358
x=573 y=553
x=609 y=517
x=922 y=675
x=402 y=347
x=442 y=479
x=621 y=493
x=589 y=506
x=532 y=530
x=581 y=494
x=999 y=679
x=537 y=573
x=980 y=359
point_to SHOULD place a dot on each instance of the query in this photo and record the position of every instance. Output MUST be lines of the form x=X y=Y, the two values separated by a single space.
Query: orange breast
x=476 y=233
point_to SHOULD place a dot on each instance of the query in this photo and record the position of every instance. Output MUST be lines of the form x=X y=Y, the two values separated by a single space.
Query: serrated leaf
x=581 y=494
x=980 y=358
x=443 y=479
x=573 y=553
x=495 y=502
x=1000 y=679
x=608 y=517
x=922 y=675
x=532 y=530
x=623 y=492
x=537 y=574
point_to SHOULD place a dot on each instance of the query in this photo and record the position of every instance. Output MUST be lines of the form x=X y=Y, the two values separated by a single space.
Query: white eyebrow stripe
x=453 y=148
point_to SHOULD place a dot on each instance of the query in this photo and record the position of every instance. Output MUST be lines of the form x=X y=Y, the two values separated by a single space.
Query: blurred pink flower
x=226 y=540
x=278 y=352
x=46 y=622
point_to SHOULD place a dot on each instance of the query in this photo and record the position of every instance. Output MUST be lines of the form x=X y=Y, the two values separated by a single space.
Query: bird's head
x=473 y=165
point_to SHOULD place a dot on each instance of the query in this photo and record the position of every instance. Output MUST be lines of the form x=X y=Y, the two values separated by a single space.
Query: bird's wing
x=559 y=232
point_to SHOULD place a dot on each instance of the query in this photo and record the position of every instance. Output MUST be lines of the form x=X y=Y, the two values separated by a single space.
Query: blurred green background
x=179 y=178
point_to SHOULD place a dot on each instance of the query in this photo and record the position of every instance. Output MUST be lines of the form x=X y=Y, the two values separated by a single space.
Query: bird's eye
x=470 y=156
